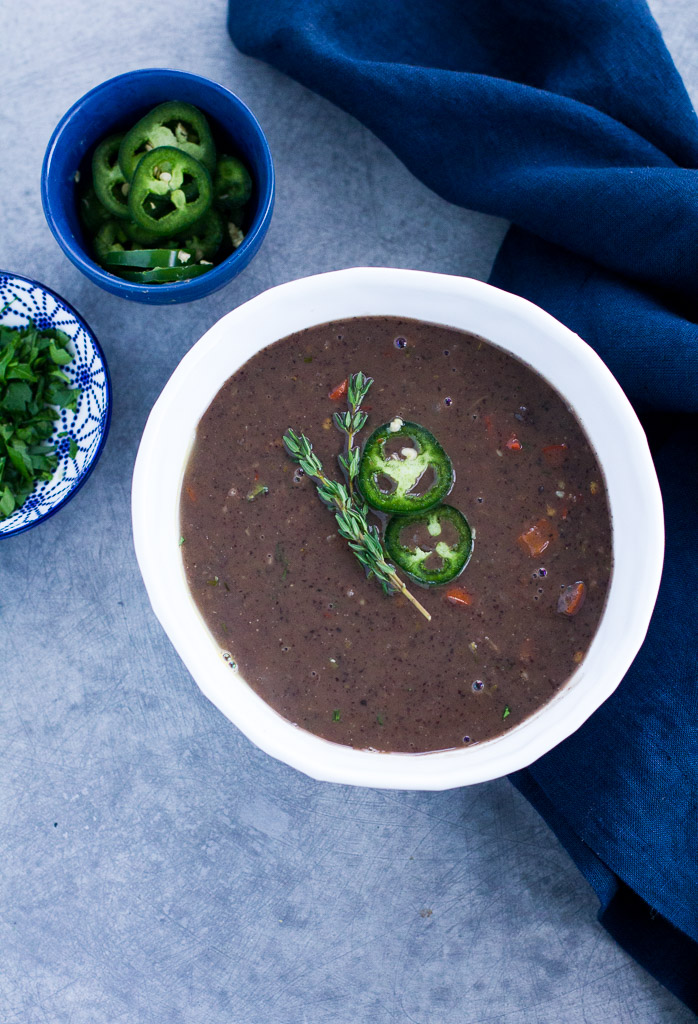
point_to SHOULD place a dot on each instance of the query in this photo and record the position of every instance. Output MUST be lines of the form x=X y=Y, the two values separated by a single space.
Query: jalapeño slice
x=204 y=237
x=145 y=259
x=110 y=184
x=173 y=124
x=165 y=173
x=111 y=237
x=433 y=547
x=404 y=469
x=232 y=184
x=92 y=214
x=160 y=275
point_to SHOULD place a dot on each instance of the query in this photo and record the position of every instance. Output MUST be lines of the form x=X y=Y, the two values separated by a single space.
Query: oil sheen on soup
x=290 y=605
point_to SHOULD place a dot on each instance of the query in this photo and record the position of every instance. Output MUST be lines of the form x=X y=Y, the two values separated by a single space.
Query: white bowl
x=516 y=326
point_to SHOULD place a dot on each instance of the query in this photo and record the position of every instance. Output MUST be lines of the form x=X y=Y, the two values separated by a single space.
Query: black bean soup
x=289 y=603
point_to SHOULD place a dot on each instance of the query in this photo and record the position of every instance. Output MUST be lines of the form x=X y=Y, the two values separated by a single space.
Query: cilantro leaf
x=7 y=503
x=59 y=355
x=17 y=396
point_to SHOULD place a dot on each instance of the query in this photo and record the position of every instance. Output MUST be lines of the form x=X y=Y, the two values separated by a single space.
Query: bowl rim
x=107 y=422
x=631 y=596
x=219 y=274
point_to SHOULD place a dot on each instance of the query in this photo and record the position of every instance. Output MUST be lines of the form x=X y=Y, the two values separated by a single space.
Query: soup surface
x=283 y=594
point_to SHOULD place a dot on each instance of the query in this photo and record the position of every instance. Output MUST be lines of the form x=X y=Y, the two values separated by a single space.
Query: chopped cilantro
x=31 y=386
x=506 y=712
x=336 y=715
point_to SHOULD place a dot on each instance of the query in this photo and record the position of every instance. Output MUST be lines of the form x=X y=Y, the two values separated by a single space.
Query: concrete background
x=154 y=865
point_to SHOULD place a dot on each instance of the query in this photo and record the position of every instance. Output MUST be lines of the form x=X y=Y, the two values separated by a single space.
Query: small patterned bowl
x=21 y=301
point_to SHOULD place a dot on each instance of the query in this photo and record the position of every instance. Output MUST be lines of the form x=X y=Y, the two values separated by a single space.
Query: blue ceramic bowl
x=22 y=301
x=116 y=105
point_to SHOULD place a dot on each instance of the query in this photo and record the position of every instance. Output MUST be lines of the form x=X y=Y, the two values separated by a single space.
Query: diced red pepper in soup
x=340 y=391
x=538 y=537
x=572 y=598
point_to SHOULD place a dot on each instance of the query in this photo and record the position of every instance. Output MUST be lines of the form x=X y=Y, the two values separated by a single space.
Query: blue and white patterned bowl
x=22 y=301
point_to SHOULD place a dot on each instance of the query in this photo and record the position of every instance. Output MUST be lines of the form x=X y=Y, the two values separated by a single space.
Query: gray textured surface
x=154 y=866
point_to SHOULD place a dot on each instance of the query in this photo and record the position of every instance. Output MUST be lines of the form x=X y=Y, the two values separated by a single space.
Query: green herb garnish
x=351 y=515
x=32 y=385
x=257 y=491
x=336 y=715
x=73 y=445
x=507 y=712
x=351 y=422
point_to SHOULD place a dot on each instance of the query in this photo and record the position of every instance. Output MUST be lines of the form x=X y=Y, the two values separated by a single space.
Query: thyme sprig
x=351 y=517
x=351 y=422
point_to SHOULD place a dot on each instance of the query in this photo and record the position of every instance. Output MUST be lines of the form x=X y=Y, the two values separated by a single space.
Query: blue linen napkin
x=568 y=118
